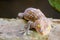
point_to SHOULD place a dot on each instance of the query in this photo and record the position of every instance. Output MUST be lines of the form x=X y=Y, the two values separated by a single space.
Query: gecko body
x=37 y=20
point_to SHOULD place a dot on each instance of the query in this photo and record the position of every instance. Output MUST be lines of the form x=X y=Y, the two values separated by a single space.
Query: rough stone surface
x=13 y=29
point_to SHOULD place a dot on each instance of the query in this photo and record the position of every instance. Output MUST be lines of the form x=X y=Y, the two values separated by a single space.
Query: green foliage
x=55 y=4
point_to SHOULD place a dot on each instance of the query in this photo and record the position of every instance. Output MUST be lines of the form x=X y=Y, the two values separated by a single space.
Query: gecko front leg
x=27 y=27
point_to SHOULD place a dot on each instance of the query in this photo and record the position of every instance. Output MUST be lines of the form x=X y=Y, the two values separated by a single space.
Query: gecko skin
x=37 y=20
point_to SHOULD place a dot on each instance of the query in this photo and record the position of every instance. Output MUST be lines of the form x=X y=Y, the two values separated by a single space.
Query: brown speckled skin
x=33 y=14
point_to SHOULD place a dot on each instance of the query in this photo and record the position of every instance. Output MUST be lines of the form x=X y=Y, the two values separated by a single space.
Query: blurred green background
x=10 y=8
x=55 y=4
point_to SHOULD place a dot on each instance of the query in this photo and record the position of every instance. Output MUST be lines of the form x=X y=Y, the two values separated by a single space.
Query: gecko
x=37 y=20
